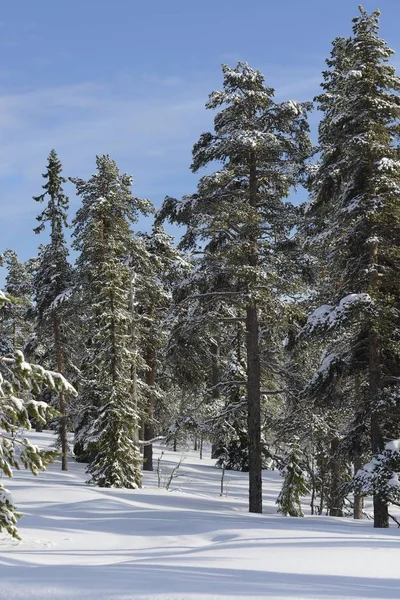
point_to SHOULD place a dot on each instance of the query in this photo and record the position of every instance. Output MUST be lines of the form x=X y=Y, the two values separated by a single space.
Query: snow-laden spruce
x=20 y=381
x=55 y=331
x=107 y=426
x=352 y=226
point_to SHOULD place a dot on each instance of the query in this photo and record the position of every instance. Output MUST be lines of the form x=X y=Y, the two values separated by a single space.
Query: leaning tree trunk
x=61 y=399
x=148 y=429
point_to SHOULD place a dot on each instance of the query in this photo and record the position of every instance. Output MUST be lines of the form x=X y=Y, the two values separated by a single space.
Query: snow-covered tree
x=16 y=322
x=18 y=381
x=157 y=267
x=353 y=222
x=239 y=221
x=109 y=419
x=295 y=484
x=52 y=288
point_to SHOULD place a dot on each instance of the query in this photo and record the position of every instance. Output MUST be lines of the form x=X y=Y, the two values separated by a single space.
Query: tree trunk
x=215 y=392
x=201 y=446
x=61 y=399
x=148 y=429
x=135 y=435
x=335 y=496
x=253 y=362
x=381 y=509
x=254 y=409
x=358 y=498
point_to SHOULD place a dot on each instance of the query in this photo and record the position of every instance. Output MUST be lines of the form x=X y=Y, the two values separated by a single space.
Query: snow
x=82 y=542
x=393 y=445
x=328 y=315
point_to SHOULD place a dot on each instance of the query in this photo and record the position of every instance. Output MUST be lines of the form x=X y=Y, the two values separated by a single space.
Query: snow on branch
x=381 y=474
x=328 y=316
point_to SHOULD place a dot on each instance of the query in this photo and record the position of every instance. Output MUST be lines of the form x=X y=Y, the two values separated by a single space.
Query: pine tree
x=156 y=268
x=294 y=485
x=237 y=218
x=18 y=380
x=52 y=284
x=354 y=218
x=16 y=321
x=109 y=420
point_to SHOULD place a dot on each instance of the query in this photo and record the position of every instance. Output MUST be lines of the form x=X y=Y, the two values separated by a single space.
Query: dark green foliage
x=107 y=426
x=295 y=484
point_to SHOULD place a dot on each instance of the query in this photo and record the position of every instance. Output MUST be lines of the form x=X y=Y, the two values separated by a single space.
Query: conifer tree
x=354 y=219
x=237 y=218
x=18 y=380
x=156 y=268
x=109 y=419
x=295 y=483
x=52 y=285
x=16 y=321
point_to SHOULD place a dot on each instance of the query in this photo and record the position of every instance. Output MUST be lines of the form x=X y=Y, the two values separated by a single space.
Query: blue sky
x=131 y=78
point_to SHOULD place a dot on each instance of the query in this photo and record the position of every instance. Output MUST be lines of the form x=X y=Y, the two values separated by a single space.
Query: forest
x=269 y=329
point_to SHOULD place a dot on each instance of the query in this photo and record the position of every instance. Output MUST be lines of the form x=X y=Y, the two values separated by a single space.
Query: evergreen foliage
x=239 y=221
x=18 y=381
x=52 y=283
x=353 y=223
x=109 y=419
x=295 y=484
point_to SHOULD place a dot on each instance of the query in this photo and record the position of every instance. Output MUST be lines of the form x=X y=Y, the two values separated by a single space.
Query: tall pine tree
x=240 y=222
x=354 y=222
x=52 y=285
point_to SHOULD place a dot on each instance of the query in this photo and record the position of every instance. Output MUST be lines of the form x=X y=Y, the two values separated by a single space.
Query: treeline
x=270 y=330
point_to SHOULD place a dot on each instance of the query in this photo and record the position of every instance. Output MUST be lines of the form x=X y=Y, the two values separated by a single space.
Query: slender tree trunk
x=201 y=446
x=381 y=509
x=358 y=498
x=358 y=505
x=134 y=351
x=149 y=422
x=254 y=410
x=214 y=383
x=61 y=399
x=195 y=442
x=253 y=364
x=335 y=496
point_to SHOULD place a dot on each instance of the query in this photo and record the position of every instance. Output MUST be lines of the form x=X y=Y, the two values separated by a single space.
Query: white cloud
x=148 y=124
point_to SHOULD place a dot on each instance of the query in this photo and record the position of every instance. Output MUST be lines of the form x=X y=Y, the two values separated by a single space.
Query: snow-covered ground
x=81 y=542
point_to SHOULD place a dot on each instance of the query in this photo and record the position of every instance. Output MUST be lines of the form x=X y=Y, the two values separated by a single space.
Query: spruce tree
x=354 y=222
x=52 y=285
x=240 y=222
x=109 y=419
x=157 y=267
x=16 y=317
x=295 y=484
x=18 y=381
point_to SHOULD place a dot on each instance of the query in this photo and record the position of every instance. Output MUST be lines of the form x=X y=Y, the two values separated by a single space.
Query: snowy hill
x=82 y=542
